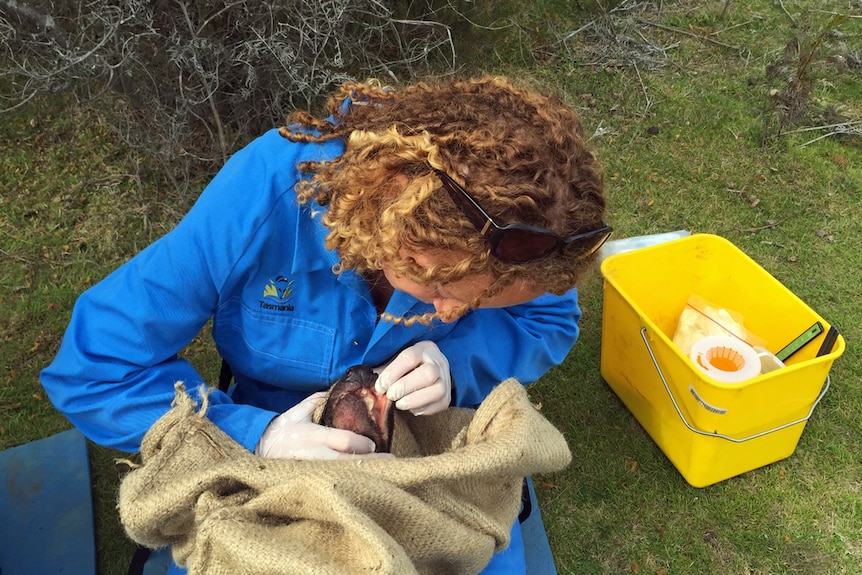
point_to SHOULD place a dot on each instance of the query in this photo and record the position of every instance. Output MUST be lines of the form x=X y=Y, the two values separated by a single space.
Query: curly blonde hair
x=521 y=154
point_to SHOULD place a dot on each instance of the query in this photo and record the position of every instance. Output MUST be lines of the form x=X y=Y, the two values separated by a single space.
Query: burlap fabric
x=444 y=505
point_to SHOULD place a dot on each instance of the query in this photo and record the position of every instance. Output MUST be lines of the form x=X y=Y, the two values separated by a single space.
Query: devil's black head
x=355 y=405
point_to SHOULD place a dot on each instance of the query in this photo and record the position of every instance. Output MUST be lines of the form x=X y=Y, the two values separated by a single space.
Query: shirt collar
x=309 y=252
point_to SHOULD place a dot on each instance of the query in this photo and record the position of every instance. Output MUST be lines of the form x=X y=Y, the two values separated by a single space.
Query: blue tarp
x=46 y=508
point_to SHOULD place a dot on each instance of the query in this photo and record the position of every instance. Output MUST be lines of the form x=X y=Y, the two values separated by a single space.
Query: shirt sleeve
x=524 y=342
x=115 y=371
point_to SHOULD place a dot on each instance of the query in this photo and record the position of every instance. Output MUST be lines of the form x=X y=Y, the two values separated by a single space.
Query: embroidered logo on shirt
x=276 y=294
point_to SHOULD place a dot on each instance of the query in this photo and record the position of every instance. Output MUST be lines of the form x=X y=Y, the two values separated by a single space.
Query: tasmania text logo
x=276 y=294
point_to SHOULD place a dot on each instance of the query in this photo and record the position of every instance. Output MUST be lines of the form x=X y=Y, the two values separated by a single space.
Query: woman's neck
x=381 y=290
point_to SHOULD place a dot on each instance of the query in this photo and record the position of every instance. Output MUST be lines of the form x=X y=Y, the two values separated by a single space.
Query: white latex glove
x=417 y=380
x=292 y=435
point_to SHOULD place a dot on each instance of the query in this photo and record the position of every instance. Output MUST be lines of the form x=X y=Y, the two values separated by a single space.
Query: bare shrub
x=196 y=79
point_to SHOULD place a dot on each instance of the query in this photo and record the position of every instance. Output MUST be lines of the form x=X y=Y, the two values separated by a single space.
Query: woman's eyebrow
x=445 y=291
x=448 y=294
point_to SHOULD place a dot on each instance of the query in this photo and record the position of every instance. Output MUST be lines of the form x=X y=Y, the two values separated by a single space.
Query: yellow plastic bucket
x=709 y=430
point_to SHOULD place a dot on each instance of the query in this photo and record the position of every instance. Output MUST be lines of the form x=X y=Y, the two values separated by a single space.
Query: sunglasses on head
x=520 y=243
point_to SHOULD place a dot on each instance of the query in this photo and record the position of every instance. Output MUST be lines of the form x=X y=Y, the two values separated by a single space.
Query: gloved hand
x=293 y=435
x=417 y=380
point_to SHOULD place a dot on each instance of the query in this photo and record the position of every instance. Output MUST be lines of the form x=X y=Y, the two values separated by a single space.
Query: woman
x=435 y=231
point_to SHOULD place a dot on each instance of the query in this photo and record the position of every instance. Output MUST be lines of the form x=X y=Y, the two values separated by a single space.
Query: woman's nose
x=444 y=305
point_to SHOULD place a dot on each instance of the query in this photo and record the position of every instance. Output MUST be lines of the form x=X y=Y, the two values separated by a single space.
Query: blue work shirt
x=252 y=259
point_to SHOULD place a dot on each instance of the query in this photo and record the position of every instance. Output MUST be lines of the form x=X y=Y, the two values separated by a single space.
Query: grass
x=680 y=106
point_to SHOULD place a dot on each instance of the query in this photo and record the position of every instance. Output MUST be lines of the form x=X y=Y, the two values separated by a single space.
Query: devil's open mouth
x=355 y=405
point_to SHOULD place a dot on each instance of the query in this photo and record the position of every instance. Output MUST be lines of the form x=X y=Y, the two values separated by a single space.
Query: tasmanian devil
x=355 y=405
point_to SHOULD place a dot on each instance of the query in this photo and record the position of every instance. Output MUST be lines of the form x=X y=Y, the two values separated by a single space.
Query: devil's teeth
x=369 y=403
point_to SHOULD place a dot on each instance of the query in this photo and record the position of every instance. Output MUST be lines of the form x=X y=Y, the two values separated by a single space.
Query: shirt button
x=355 y=342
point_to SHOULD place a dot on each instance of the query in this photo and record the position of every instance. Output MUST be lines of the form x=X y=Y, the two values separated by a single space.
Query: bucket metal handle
x=713 y=434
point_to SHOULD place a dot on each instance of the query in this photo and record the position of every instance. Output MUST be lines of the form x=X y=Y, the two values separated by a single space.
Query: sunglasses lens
x=523 y=245
x=519 y=246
